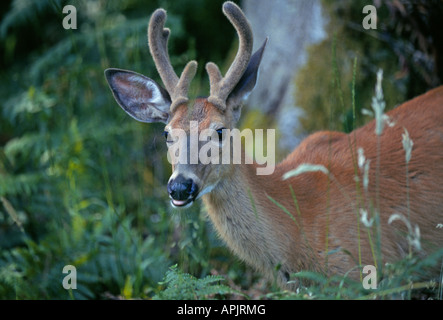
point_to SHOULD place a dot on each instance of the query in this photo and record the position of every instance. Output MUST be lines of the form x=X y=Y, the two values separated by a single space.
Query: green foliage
x=81 y=183
x=404 y=279
x=183 y=286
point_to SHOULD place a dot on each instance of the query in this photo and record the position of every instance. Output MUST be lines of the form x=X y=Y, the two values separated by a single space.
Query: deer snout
x=182 y=191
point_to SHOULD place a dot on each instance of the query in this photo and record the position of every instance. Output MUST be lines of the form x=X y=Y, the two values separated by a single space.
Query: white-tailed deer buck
x=311 y=221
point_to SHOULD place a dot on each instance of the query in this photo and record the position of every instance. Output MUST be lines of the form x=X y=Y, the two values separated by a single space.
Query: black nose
x=182 y=189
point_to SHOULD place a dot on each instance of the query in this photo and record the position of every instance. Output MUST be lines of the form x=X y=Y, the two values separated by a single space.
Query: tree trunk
x=291 y=25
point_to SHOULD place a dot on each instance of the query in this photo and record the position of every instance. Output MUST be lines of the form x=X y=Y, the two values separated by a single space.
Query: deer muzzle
x=182 y=191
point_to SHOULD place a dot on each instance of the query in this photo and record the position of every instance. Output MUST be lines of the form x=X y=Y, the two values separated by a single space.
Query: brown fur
x=265 y=236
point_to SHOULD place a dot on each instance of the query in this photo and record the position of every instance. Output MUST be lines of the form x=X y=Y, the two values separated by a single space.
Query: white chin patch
x=206 y=190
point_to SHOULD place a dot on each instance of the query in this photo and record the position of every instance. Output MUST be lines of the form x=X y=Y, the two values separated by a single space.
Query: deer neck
x=252 y=226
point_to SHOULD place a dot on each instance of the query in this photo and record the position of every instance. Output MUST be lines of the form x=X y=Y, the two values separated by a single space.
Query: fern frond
x=23 y=184
x=183 y=286
x=23 y=11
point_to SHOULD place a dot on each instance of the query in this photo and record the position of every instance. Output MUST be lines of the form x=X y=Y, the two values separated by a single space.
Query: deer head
x=147 y=101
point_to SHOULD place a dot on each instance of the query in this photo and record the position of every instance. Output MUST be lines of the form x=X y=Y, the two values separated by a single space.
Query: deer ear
x=246 y=83
x=142 y=98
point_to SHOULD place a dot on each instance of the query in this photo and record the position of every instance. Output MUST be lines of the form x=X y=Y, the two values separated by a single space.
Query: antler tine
x=221 y=87
x=158 y=45
x=158 y=41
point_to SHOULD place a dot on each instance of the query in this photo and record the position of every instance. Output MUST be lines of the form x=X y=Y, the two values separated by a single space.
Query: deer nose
x=182 y=191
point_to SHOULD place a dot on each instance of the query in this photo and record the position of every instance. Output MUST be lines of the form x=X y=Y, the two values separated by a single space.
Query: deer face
x=194 y=129
x=194 y=137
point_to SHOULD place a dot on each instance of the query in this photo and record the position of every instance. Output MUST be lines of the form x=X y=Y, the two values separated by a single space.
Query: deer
x=277 y=224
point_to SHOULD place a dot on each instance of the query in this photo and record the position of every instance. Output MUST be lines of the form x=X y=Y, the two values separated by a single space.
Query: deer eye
x=166 y=135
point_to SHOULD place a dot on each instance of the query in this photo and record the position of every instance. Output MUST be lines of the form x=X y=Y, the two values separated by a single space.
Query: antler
x=220 y=87
x=158 y=46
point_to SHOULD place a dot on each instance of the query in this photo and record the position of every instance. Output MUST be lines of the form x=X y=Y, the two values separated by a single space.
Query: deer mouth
x=182 y=203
